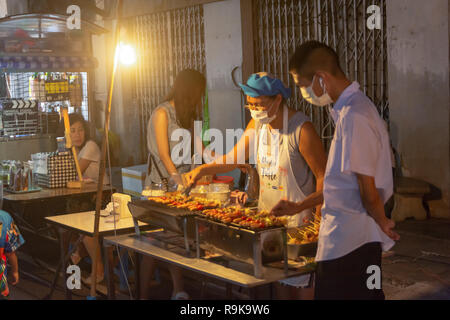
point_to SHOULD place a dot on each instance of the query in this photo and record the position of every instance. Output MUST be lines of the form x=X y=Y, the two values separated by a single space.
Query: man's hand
x=239 y=196
x=245 y=168
x=375 y=208
x=286 y=208
x=193 y=176
x=387 y=225
x=15 y=277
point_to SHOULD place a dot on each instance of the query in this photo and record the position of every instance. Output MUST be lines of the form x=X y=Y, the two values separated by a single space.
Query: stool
x=408 y=196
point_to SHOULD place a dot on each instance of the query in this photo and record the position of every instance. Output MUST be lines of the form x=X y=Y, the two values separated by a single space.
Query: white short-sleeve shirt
x=360 y=145
x=91 y=152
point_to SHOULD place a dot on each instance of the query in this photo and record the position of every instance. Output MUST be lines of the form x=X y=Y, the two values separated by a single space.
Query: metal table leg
x=109 y=272
x=252 y=293
x=62 y=262
x=137 y=274
x=229 y=291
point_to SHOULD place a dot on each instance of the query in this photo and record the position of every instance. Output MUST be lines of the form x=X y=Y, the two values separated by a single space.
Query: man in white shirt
x=358 y=181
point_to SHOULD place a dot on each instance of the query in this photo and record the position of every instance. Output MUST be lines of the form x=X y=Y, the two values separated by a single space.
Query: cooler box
x=133 y=179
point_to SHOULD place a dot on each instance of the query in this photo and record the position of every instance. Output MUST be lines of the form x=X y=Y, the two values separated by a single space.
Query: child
x=10 y=241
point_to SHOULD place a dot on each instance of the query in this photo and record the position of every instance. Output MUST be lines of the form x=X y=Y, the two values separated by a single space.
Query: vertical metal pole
x=194 y=24
x=374 y=71
x=274 y=42
x=161 y=57
x=294 y=45
x=155 y=60
x=383 y=100
x=308 y=31
x=333 y=23
x=345 y=36
x=138 y=259
x=197 y=239
x=109 y=273
x=62 y=251
x=101 y=174
x=364 y=45
x=175 y=41
x=170 y=62
x=257 y=263
x=186 y=242
x=188 y=37
x=317 y=20
x=285 y=255
x=261 y=48
x=355 y=35
x=278 y=56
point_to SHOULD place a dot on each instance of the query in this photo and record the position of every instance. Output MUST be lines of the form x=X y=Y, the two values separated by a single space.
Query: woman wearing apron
x=177 y=112
x=288 y=154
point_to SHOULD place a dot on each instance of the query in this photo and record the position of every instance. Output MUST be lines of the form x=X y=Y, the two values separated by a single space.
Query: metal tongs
x=187 y=191
x=177 y=179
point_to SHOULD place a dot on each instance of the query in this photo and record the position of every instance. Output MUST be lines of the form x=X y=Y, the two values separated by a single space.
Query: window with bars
x=167 y=42
x=51 y=91
x=282 y=25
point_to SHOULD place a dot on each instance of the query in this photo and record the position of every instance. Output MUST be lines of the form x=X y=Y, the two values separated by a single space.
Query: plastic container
x=219 y=187
x=133 y=179
x=223 y=197
x=200 y=190
x=224 y=180
x=157 y=189
x=205 y=180
x=120 y=202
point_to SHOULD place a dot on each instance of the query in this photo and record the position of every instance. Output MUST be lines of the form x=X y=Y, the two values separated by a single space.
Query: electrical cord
x=328 y=124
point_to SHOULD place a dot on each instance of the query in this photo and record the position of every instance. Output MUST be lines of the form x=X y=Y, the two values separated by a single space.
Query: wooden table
x=30 y=209
x=46 y=194
x=82 y=223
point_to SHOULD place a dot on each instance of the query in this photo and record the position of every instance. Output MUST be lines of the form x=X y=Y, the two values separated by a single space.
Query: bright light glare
x=127 y=54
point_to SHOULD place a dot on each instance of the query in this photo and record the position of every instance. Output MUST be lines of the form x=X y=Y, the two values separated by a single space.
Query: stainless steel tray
x=160 y=215
x=305 y=250
x=255 y=247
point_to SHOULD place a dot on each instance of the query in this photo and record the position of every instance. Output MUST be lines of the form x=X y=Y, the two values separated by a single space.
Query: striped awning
x=47 y=62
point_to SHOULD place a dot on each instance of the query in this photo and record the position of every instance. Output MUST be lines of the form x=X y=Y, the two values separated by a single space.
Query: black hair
x=76 y=117
x=186 y=92
x=299 y=60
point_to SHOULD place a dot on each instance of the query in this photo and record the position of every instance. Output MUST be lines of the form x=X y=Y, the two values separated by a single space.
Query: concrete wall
x=16 y=7
x=3 y=9
x=223 y=48
x=418 y=57
x=12 y=7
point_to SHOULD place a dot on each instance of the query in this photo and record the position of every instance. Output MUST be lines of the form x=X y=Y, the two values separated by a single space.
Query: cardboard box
x=133 y=179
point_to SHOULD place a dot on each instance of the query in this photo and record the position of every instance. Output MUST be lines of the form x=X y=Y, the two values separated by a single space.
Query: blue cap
x=261 y=84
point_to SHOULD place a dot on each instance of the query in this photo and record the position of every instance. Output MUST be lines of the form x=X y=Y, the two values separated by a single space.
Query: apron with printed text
x=277 y=179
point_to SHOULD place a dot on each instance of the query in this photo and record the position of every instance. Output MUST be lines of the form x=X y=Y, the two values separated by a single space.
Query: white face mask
x=309 y=95
x=263 y=116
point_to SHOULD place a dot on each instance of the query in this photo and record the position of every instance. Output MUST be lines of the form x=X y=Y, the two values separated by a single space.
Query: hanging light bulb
x=127 y=54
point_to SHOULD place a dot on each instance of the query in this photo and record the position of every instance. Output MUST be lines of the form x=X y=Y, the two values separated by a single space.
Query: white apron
x=277 y=180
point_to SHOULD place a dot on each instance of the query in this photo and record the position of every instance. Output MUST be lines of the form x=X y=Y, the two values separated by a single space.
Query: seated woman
x=89 y=158
x=87 y=150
